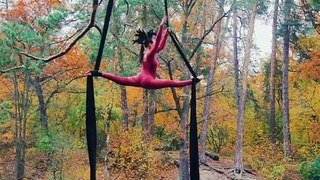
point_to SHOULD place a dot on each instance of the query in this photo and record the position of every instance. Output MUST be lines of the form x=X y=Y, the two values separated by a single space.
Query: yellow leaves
x=7 y=132
x=130 y=154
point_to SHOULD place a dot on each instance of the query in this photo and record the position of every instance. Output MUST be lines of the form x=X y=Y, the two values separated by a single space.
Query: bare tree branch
x=11 y=69
x=206 y=32
x=166 y=110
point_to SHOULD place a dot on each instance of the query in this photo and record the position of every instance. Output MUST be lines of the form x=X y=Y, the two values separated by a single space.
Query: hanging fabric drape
x=193 y=141
x=91 y=127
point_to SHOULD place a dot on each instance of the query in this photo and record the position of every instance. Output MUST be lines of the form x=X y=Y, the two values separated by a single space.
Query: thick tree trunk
x=184 y=162
x=285 y=81
x=41 y=102
x=242 y=99
x=272 y=72
x=207 y=100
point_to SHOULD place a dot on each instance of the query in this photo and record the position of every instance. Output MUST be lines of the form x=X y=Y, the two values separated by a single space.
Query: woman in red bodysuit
x=146 y=78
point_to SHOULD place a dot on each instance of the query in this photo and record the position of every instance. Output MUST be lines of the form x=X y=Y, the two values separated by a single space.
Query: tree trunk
x=235 y=60
x=124 y=107
x=285 y=82
x=236 y=87
x=184 y=162
x=7 y=5
x=145 y=114
x=124 y=100
x=272 y=72
x=21 y=110
x=123 y=89
x=41 y=102
x=18 y=129
x=241 y=109
x=207 y=100
x=152 y=110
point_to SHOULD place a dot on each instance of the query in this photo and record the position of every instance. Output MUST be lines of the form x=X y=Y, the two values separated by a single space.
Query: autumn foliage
x=58 y=151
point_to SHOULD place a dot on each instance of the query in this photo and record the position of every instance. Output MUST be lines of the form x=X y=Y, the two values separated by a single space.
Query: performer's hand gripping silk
x=146 y=78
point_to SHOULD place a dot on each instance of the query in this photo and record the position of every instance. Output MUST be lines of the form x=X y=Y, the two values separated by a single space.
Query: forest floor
x=76 y=163
x=36 y=168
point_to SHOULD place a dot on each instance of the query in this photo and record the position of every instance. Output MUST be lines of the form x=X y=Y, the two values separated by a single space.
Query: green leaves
x=53 y=21
x=310 y=171
x=4 y=111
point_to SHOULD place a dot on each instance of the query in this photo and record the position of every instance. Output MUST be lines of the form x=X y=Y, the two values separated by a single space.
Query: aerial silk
x=145 y=79
x=193 y=141
x=91 y=127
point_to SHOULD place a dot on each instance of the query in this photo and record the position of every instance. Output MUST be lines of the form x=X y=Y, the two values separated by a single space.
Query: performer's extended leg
x=163 y=83
x=126 y=81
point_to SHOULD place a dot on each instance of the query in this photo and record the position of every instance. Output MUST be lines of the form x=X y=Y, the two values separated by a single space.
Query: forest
x=258 y=107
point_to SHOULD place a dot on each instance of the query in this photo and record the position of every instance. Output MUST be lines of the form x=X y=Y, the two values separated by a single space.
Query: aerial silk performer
x=146 y=78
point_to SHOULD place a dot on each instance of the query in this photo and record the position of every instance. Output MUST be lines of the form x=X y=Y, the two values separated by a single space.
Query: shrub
x=217 y=138
x=311 y=171
x=129 y=155
x=170 y=140
x=277 y=172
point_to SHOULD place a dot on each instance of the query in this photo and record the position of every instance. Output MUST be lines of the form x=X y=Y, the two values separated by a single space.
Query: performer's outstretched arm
x=163 y=40
x=158 y=37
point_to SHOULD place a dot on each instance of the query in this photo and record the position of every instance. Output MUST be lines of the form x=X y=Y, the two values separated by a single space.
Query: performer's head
x=145 y=39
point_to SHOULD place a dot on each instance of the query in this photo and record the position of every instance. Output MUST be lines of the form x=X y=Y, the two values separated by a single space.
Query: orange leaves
x=74 y=64
x=310 y=68
x=20 y=11
x=314 y=134
x=25 y=11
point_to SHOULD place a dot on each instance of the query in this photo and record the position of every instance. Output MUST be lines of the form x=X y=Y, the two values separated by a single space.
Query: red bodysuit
x=147 y=76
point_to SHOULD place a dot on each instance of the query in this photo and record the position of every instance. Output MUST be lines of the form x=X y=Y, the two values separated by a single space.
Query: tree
x=285 y=80
x=23 y=40
x=207 y=101
x=241 y=89
x=273 y=59
x=183 y=108
x=21 y=106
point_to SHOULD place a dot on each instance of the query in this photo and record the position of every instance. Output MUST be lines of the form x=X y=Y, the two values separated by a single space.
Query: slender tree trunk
x=236 y=84
x=285 y=81
x=241 y=109
x=123 y=89
x=235 y=59
x=18 y=119
x=124 y=100
x=21 y=110
x=145 y=114
x=124 y=107
x=207 y=100
x=7 y=4
x=152 y=110
x=272 y=72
